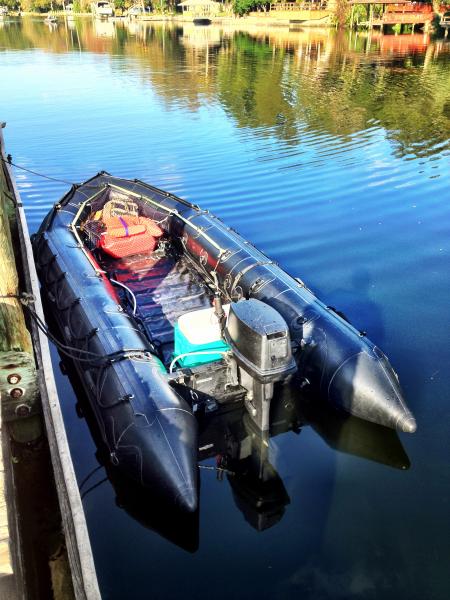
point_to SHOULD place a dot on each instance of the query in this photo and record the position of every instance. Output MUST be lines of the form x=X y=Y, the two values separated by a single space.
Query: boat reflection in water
x=178 y=527
x=243 y=452
x=104 y=29
x=241 y=456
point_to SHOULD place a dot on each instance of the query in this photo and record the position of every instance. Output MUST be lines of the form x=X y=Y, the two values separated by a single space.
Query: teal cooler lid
x=183 y=346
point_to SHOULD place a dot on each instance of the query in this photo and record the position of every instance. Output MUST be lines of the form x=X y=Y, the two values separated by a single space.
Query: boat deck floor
x=165 y=287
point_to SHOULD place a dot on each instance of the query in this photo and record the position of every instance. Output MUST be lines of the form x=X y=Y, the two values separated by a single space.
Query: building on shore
x=393 y=12
x=201 y=8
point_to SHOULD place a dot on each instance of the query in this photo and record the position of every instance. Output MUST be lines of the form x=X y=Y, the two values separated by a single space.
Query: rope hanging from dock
x=24 y=298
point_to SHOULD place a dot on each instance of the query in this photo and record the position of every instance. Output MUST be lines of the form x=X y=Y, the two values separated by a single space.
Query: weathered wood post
x=18 y=383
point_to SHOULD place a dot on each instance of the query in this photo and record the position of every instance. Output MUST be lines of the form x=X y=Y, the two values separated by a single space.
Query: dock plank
x=6 y=567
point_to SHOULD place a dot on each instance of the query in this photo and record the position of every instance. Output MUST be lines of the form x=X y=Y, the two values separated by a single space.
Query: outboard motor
x=259 y=338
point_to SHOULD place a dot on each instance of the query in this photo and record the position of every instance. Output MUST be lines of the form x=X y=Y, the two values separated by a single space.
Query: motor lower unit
x=260 y=341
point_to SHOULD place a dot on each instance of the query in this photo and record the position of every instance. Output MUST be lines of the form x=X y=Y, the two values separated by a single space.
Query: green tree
x=122 y=4
x=45 y=5
x=242 y=7
x=10 y=4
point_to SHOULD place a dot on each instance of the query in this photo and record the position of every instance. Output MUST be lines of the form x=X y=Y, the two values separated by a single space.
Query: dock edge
x=84 y=577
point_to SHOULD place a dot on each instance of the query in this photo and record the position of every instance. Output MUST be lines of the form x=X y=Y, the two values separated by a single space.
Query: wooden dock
x=395 y=12
x=6 y=568
x=28 y=395
x=445 y=22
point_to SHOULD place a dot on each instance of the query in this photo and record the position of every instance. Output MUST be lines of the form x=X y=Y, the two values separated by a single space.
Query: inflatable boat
x=166 y=311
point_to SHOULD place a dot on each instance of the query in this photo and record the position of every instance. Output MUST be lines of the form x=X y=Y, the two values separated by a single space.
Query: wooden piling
x=14 y=335
x=18 y=379
x=5 y=554
x=15 y=347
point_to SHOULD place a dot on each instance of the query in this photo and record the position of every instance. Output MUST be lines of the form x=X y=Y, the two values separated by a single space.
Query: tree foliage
x=284 y=84
x=242 y=7
x=38 y=5
x=45 y=5
x=122 y=4
x=10 y=4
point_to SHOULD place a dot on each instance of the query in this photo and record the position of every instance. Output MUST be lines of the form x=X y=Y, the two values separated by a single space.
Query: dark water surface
x=332 y=155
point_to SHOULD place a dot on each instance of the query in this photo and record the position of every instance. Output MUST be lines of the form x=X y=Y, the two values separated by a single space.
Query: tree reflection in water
x=296 y=81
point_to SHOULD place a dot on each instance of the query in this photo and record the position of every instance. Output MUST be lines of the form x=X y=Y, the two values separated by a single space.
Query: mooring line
x=8 y=161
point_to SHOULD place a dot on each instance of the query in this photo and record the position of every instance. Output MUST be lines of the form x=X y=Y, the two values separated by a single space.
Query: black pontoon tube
x=345 y=367
x=149 y=430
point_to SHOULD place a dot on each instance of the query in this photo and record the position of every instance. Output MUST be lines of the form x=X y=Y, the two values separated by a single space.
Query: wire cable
x=126 y=288
x=63 y=348
x=26 y=300
x=9 y=162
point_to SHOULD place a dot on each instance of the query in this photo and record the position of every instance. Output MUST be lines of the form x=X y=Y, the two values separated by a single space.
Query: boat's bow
x=366 y=386
x=168 y=441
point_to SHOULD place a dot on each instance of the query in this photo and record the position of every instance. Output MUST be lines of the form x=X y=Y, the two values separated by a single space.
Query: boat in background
x=51 y=20
x=201 y=11
x=445 y=22
x=201 y=21
x=68 y=11
x=102 y=9
x=138 y=10
x=160 y=306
